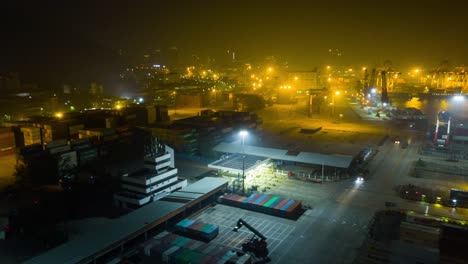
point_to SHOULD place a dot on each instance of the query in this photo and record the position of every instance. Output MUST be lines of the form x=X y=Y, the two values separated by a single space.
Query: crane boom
x=241 y=223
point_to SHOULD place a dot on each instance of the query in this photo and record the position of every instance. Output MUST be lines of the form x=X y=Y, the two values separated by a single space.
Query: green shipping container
x=271 y=201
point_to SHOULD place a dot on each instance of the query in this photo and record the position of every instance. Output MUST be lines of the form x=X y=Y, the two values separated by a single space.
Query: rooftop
x=117 y=230
x=238 y=162
x=204 y=185
x=87 y=244
x=334 y=160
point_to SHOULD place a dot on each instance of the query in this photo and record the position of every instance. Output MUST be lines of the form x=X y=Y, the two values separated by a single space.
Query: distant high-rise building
x=96 y=89
x=173 y=57
x=158 y=58
x=67 y=89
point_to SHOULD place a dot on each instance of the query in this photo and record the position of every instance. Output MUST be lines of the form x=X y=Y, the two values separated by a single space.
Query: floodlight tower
x=243 y=134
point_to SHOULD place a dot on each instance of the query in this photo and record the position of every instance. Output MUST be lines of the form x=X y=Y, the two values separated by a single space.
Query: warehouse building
x=117 y=235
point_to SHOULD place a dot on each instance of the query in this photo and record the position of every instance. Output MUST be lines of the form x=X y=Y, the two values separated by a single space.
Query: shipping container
x=286 y=206
x=278 y=206
x=197 y=230
x=252 y=196
x=259 y=199
x=271 y=201
x=294 y=207
x=266 y=204
x=266 y=200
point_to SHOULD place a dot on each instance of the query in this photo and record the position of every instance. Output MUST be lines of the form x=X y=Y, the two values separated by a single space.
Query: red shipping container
x=196 y=226
x=257 y=196
x=233 y=197
x=285 y=201
x=168 y=239
x=190 y=243
x=265 y=200
x=241 y=199
x=295 y=206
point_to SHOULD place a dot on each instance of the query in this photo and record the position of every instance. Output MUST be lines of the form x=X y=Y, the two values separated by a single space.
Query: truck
x=459 y=198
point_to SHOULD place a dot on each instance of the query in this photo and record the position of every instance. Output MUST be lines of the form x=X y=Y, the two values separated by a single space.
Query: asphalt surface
x=335 y=227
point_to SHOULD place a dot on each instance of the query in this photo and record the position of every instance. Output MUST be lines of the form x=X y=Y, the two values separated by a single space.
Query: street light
x=175 y=103
x=243 y=134
x=333 y=102
x=216 y=97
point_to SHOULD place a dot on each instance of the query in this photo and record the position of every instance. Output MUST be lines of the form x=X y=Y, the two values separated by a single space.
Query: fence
x=447 y=153
x=453 y=169
x=307 y=175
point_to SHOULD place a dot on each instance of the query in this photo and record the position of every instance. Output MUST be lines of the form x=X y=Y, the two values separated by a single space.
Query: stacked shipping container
x=7 y=141
x=267 y=204
x=171 y=248
x=197 y=230
x=32 y=135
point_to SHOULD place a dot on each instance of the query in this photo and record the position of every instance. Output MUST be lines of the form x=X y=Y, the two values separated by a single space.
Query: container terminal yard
x=145 y=231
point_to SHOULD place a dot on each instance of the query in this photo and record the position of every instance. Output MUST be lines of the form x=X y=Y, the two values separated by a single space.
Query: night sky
x=47 y=39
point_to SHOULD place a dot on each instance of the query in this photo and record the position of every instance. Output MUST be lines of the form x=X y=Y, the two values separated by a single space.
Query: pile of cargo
x=171 y=248
x=263 y=203
x=197 y=230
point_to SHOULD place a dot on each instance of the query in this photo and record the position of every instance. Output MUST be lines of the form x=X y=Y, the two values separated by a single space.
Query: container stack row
x=171 y=248
x=263 y=203
x=197 y=230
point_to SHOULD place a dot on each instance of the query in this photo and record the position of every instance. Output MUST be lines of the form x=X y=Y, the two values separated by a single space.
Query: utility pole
x=323 y=170
x=310 y=104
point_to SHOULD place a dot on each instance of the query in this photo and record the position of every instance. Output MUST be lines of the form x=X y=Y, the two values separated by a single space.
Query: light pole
x=333 y=102
x=215 y=98
x=175 y=103
x=243 y=134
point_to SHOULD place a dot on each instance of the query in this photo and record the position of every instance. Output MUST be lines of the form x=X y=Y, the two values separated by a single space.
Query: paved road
x=336 y=226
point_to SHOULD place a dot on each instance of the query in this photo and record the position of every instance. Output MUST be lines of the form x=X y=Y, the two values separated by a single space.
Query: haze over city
x=78 y=38
x=233 y=132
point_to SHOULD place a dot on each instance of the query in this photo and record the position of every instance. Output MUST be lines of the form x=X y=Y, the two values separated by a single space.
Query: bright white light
x=458 y=98
x=359 y=180
x=243 y=133
x=140 y=100
x=373 y=90
x=385 y=104
x=368 y=95
x=454 y=200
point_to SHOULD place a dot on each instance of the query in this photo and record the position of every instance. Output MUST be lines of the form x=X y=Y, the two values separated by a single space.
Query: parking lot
x=273 y=228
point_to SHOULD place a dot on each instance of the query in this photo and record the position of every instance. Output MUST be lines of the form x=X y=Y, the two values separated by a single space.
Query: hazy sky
x=367 y=32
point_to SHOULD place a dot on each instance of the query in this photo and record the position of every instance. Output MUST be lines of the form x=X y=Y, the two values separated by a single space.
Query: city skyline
x=66 y=42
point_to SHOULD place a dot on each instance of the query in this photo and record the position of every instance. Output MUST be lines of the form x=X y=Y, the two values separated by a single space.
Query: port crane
x=256 y=245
